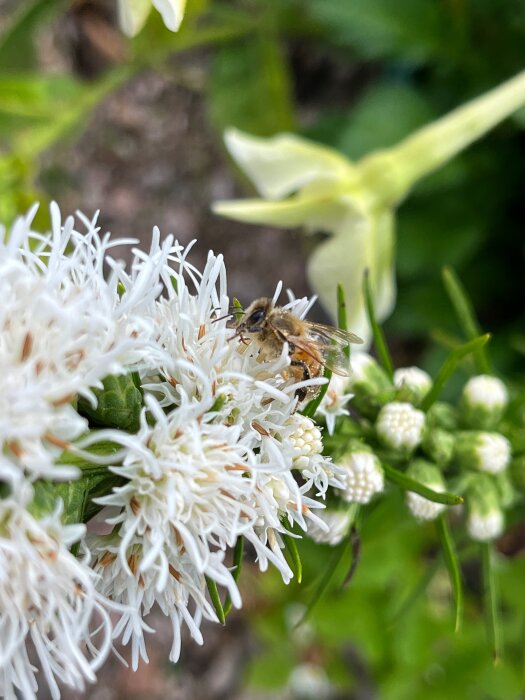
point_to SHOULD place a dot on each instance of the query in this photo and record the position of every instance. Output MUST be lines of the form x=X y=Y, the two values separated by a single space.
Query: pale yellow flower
x=134 y=13
x=312 y=186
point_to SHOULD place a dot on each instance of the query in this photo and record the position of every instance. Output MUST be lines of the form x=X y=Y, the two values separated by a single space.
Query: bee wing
x=325 y=348
x=331 y=335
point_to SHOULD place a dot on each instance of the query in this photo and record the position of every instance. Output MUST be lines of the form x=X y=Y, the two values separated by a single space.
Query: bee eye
x=256 y=316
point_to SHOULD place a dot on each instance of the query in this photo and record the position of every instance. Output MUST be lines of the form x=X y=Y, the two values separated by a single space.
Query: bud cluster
x=459 y=448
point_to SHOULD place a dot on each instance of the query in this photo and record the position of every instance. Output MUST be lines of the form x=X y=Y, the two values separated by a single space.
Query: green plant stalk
x=236 y=571
x=216 y=600
x=342 y=322
x=409 y=484
x=454 y=570
x=491 y=602
x=449 y=367
x=466 y=316
x=377 y=332
x=392 y=173
x=292 y=554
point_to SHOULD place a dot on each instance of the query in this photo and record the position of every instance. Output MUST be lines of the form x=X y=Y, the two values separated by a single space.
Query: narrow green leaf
x=314 y=404
x=409 y=484
x=491 y=592
x=238 y=309
x=342 y=321
x=466 y=316
x=378 y=335
x=292 y=556
x=355 y=544
x=216 y=599
x=449 y=367
x=452 y=562
x=236 y=572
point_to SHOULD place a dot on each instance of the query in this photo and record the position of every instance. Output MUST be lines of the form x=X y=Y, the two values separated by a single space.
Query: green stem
x=409 y=484
x=377 y=332
x=491 y=601
x=393 y=172
x=452 y=562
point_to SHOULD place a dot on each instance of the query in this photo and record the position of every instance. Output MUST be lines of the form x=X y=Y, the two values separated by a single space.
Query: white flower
x=63 y=329
x=493 y=452
x=334 y=401
x=488 y=452
x=484 y=527
x=483 y=401
x=134 y=13
x=400 y=426
x=48 y=602
x=305 y=440
x=337 y=524
x=363 y=477
x=412 y=383
x=486 y=391
x=221 y=454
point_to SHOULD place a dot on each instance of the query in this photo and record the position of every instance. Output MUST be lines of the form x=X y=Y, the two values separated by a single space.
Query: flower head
x=483 y=401
x=334 y=401
x=48 y=597
x=487 y=452
x=412 y=383
x=400 y=426
x=428 y=475
x=363 y=476
x=134 y=13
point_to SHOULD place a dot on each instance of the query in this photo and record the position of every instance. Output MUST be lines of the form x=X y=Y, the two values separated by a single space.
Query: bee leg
x=302 y=375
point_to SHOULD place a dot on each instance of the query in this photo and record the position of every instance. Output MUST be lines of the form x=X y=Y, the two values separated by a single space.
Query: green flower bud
x=483 y=402
x=517 y=472
x=429 y=475
x=400 y=426
x=442 y=415
x=438 y=445
x=485 y=518
x=411 y=384
x=370 y=383
x=487 y=452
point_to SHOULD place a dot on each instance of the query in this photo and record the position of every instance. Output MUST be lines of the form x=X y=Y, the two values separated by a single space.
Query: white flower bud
x=338 y=523
x=400 y=426
x=305 y=441
x=364 y=476
x=428 y=475
x=412 y=384
x=485 y=518
x=485 y=527
x=483 y=401
x=371 y=386
x=309 y=682
x=488 y=452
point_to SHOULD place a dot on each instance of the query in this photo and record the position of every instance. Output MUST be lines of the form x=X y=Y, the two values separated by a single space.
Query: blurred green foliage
x=357 y=75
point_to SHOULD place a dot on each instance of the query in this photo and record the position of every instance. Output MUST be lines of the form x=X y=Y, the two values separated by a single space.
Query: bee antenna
x=221 y=318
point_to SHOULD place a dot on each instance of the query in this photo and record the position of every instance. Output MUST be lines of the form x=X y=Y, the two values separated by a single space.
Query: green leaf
x=342 y=322
x=466 y=316
x=250 y=87
x=453 y=566
x=236 y=571
x=491 y=592
x=119 y=404
x=379 y=338
x=293 y=557
x=216 y=599
x=409 y=484
x=449 y=367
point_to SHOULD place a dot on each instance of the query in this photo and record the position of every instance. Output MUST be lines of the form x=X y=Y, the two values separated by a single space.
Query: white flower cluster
x=220 y=454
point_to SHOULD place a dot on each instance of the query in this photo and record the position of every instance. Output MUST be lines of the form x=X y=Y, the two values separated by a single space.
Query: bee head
x=255 y=316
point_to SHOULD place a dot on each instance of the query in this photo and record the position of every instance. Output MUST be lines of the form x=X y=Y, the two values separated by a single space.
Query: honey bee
x=311 y=346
